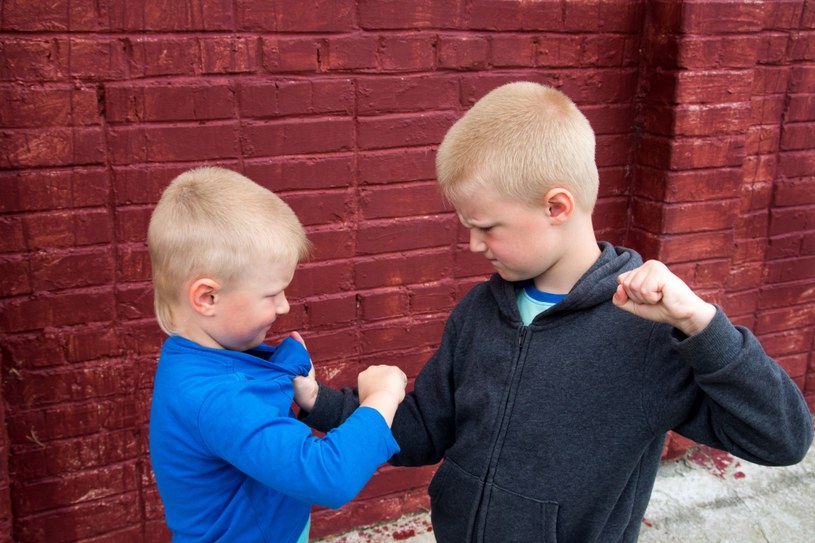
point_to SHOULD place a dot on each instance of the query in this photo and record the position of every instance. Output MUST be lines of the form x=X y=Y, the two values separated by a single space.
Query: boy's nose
x=477 y=244
x=282 y=305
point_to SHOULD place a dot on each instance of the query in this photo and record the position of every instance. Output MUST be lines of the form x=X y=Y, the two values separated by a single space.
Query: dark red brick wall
x=704 y=113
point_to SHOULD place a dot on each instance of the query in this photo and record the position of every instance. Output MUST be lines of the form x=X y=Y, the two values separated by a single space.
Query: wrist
x=698 y=320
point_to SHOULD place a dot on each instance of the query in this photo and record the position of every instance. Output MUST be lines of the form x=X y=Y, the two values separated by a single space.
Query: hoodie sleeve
x=424 y=422
x=721 y=389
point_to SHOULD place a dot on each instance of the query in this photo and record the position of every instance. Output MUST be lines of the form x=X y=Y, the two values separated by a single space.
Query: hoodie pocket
x=454 y=495
x=512 y=518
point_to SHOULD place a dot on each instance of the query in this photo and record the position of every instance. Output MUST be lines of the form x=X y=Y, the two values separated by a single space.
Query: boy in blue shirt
x=556 y=381
x=232 y=463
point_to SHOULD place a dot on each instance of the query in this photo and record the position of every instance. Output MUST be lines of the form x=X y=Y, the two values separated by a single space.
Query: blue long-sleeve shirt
x=232 y=463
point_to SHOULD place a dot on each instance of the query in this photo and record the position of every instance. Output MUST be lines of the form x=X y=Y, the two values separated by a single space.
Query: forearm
x=331 y=408
x=752 y=406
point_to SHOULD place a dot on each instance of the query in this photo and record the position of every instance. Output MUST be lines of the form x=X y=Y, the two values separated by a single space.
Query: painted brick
x=432 y=298
x=134 y=301
x=291 y=54
x=323 y=208
x=317 y=96
x=332 y=311
x=463 y=52
x=689 y=153
x=67 y=229
x=317 y=172
x=713 y=86
x=786 y=342
x=82 y=521
x=179 y=15
x=801 y=108
x=611 y=213
x=772 y=49
x=379 y=237
x=20 y=315
x=51 y=147
x=134 y=263
x=393 y=14
x=797 y=136
x=15 y=275
x=512 y=51
x=396 y=270
x=297 y=136
x=403 y=130
x=787 y=246
x=696 y=246
x=229 y=55
x=752 y=226
x=546 y=15
x=771 y=79
x=354 y=52
x=797 y=164
x=803 y=46
x=700 y=217
x=42 y=190
x=601 y=16
x=402 y=200
x=396 y=166
x=312 y=16
x=152 y=56
x=762 y=139
x=797 y=269
x=802 y=79
x=397 y=336
x=316 y=278
x=791 y=219
x=720 y=16
x=788 y=318
x=39 y=15
x=133 y=144
x=331 y=244
x=340 y=344
x=767 y=109
x=402 y=94
x=24 y=107
x=57 y=270
x=383 y=304
x=407 y=53
x=722 y=51
x=34 y=59
x=98 y=58
x=173 y=102
x=782 y=14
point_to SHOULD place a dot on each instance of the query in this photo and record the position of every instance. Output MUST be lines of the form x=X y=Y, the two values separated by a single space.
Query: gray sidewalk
x=704 y=497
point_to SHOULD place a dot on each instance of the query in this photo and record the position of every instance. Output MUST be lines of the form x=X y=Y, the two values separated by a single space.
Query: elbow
x=338 y=498
x=797 y=447
x=337 y=494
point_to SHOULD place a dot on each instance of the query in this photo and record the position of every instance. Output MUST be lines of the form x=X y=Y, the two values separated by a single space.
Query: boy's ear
x=202 y=295
x=559 y=204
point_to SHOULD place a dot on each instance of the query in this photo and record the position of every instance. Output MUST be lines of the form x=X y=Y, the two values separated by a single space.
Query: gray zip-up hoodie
x=554 y=432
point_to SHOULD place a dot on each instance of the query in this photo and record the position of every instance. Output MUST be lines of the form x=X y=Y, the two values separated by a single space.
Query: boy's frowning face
x=248 y=307
x=516 y=237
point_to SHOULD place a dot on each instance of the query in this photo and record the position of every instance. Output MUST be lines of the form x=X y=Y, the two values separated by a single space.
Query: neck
x=578 y=253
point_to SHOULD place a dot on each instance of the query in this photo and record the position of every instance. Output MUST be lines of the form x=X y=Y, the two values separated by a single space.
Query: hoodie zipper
x=481 y=516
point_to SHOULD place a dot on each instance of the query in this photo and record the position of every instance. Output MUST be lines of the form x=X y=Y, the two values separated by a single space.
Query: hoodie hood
x=595 y=287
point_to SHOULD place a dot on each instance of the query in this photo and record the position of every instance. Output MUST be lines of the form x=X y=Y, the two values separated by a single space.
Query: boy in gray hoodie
x=556 y=381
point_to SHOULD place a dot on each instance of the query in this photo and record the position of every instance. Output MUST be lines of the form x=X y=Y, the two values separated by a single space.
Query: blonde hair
x=214 y=222
x=521 y=139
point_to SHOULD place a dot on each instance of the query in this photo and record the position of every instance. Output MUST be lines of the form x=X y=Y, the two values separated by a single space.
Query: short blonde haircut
x=521 y=139
x=214 y=222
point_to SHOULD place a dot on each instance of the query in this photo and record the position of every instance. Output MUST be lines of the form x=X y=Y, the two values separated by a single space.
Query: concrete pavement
x=704 y=497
